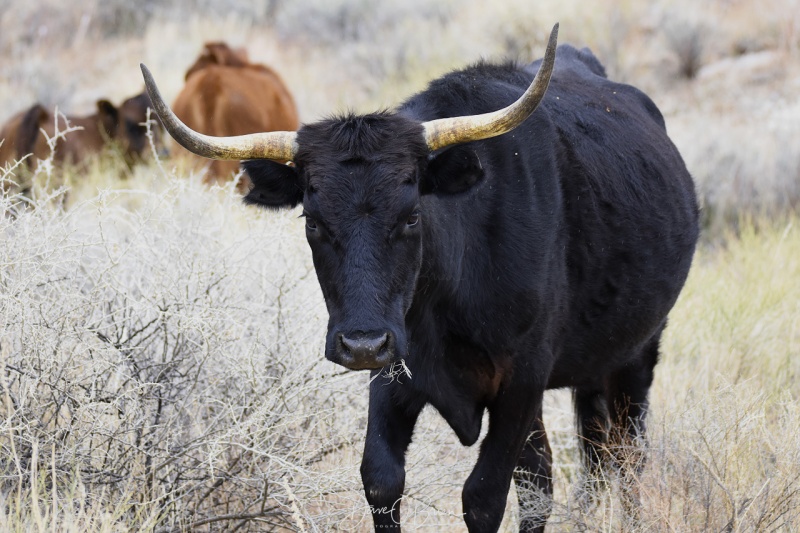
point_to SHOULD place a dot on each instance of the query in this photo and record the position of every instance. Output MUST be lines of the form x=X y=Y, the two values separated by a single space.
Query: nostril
x=364 y=346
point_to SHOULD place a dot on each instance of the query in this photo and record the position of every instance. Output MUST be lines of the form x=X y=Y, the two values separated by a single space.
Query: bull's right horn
x=453 y=130
x=276 y=145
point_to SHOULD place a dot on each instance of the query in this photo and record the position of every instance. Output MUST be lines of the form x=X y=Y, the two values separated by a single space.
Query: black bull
x=542 y=258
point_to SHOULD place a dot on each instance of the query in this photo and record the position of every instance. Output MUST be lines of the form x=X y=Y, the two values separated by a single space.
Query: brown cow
x=25 y=132
x=226 y=95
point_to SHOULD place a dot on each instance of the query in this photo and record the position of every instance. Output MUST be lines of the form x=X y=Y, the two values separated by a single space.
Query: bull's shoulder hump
x=581 y=62
x=479 y=88
x=580 y=79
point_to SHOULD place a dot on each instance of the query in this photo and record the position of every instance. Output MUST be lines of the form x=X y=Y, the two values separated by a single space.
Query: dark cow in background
x=226 y=95
x=124 y=126
x=499 y=254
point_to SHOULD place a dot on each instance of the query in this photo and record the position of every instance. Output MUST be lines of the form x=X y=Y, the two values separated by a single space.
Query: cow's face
x=363 y=224
x=126 y=124
x=360 y=180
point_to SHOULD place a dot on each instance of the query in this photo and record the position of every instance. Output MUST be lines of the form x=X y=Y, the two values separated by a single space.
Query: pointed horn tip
x=149 y=81
x=554 y=32
x=151 y=87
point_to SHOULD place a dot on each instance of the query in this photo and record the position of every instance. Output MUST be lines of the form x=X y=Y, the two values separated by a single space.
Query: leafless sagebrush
x=27 y=176
x=158 y=357
x=161 y=370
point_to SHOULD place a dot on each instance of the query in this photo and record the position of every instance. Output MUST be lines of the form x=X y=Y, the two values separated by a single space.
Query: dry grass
x=162 y=364
x=160 y=344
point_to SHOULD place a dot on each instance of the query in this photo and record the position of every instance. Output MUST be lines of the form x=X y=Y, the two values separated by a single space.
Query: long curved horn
x=277 y=145
x=446 y=131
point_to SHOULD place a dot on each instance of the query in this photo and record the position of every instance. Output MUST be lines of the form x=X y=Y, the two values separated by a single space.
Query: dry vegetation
x=160 y=343
x=726 y=73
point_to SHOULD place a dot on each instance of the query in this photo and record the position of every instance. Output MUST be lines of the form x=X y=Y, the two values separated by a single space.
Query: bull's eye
x=311 y=224
x=413 y=219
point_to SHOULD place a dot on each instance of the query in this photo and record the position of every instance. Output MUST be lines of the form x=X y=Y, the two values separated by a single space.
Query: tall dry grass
x=160 y=344
x=150 y=360
x=163 y=370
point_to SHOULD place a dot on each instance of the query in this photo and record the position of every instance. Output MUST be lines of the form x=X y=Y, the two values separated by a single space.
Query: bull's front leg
x=511 y=417
x=389 y=428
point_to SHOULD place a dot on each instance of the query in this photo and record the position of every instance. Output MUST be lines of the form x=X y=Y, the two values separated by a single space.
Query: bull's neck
x=446 y=248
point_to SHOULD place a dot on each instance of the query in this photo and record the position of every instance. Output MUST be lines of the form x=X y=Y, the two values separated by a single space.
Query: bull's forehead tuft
x=374 y=138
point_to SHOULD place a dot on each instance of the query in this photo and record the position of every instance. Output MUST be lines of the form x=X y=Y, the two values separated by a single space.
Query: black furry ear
x=452 y=171
x=275 y=185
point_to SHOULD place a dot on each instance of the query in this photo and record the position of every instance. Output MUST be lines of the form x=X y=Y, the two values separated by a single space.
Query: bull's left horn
x=447 y=131
x=277 y=145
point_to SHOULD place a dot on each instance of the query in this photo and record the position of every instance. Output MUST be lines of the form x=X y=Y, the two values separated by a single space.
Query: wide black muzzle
x=359 y=350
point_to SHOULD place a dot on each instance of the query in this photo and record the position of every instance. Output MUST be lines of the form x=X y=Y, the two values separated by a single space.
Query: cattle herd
x=224 y=94
x=510 y=229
